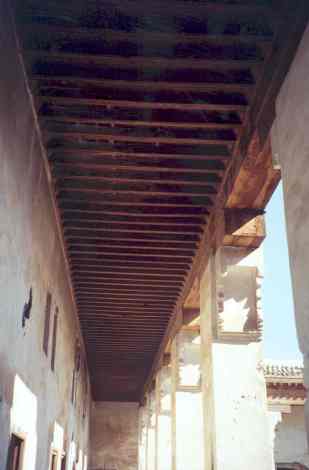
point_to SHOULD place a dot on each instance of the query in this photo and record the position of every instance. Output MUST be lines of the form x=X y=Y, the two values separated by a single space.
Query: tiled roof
x=288 y=369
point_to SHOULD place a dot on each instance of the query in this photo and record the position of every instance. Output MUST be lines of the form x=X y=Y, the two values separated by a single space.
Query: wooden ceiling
x=142 y=107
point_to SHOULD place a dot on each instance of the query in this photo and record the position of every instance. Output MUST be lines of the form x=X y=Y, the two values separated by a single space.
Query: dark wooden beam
x=136 y=187
x=97 y=267
x=100 y=271
x=133 y=209
x=127 y=253
x=75 y=118
x=145 y=85
x=92 y=179
x=108 y=134
x=137 y=284
x=128 y=261
x=127 y=175
x=219 y=10
x=131 y=265
x=129 y=228
x=140 y=36
x=148 y=219
x=82 y=300
x=120 y=308
x=181 y=169
x=140 y=200
x=139 y=117
x=127 y=103
x=123 y=286
x=151 y=279
x=144 y=62
x=144 y=150
x=101 y=235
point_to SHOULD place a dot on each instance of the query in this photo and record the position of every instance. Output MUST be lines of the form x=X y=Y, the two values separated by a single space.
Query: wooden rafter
x=143 y=117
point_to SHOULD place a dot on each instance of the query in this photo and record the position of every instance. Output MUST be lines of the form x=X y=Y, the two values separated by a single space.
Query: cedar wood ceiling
x=142 y=106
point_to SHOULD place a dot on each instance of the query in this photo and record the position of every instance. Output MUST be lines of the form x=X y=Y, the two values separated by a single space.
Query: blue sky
x=280 y=340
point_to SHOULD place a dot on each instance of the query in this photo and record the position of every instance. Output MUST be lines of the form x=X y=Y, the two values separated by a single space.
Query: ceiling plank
x=145 y=62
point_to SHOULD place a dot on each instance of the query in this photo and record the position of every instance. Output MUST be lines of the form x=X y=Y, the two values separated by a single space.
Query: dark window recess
x=73 y=387
x=27 y=309
x=78 y=358
x=85 y=404
x=47 y=323
x=77 y=365
x=53 y=463
x=63 y=463
x=14 y=453
x=53 y=356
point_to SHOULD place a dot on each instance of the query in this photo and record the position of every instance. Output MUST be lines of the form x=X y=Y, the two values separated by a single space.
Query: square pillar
x=237 y=435
x=142 y=438
x=188 y=451
x=164 y=419
x=151 y=432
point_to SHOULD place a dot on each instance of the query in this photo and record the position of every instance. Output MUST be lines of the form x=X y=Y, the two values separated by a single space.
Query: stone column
x=187 y=406
x=164 y=419
x=290 y=146
x=237 y=433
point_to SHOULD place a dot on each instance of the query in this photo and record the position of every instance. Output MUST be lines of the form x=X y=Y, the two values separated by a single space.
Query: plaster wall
x=35 y=401
x=290 y=145
x=151 y=431
x=164 y=419
x=189 y=431
x=241 y=422
x=237 y=409
x=290 y=442
x=114 y=436
x=188 y=403
x=142 y=438
x=207 y=318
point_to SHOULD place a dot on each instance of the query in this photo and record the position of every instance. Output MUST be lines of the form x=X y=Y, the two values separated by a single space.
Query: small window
x=47 y=323
x=85 y=404
x=77 y=365
x=73 y=387
x=15 y=453
x=53 y=356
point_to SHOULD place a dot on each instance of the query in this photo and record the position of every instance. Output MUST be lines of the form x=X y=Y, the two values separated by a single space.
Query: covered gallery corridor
x=139 y=145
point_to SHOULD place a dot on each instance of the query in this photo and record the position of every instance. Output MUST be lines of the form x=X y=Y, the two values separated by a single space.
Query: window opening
x=27 y=309
x=77 y=365
x=53 y=356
